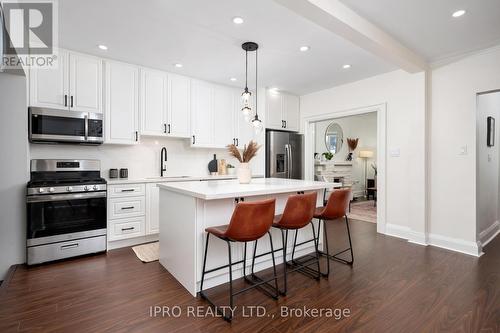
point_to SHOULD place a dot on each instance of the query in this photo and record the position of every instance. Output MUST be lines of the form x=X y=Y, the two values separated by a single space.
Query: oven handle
x=60 y=197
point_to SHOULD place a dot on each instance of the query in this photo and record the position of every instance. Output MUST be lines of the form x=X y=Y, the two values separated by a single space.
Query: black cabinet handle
x=194 y=140
x=69 y=246
x=130 y=228
x=282 y=124
x=168 y=128
x=128 y=207
x=71 y=101
x=136 y=136
x=65 y=100
x=128 y=190
x=237 y=142
x=164 y=128
x=285 y=123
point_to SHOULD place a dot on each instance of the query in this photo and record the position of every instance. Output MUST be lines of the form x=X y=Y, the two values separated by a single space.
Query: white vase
x=244 y=173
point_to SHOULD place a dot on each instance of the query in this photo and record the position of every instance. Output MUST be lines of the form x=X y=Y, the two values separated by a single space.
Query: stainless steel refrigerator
x=284 y=155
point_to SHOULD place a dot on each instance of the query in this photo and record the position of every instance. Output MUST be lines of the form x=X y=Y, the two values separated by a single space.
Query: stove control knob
x=95 y=187
x=41 y=190
x=86 y=188
x=51 y=190
x=69 y=189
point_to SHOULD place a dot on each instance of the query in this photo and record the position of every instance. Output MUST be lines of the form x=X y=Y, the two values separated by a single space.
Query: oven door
x=53 y=218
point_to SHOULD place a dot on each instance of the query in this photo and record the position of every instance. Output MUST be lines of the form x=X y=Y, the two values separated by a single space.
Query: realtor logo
x=31 y=26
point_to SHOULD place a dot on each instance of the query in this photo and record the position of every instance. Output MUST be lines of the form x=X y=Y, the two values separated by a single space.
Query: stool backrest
x=251 y=220
x=338 y=204
x=299 y=210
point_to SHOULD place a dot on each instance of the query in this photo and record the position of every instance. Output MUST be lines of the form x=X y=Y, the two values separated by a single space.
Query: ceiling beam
x=343 y=21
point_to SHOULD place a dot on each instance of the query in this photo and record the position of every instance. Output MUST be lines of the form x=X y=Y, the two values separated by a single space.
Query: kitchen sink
x=166 y=177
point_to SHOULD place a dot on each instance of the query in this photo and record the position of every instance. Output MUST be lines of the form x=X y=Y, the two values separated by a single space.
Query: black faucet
x=163 y=158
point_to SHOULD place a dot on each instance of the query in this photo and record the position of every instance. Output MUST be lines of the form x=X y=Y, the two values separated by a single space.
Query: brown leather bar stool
x=298 y=213
x=249 y=222
x=336 y=207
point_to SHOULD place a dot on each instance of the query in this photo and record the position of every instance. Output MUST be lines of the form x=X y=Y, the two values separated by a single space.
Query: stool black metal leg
x=335 y=256
x=274 y=265
x=316 y=249
x=327 y=250
x=204 y=265
x=294 y=244
x=284 y=239
x=228 y=318
x=245 y=260
x=253 y=258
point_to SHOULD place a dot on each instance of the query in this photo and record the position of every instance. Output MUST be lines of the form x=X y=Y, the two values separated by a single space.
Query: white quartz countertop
x=168 y=179
x=223 y=189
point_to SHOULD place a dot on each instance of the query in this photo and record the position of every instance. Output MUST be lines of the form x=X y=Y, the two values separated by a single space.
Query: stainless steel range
x=66 y=204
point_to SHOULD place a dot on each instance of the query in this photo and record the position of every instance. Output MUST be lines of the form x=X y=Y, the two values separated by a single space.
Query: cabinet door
x=291 y=112
x=153 y=102
x=202 y=114
x=49 y=87
x=152 y=209
x=122 y=107
x=244 y=130
x=274 y=110
x=223 y=116
x=179 y=115
x=85 y=87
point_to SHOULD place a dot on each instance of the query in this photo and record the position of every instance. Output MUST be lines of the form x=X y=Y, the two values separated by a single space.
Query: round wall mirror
x=334 y=138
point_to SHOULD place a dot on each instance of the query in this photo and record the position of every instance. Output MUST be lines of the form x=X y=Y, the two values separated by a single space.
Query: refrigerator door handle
x=288 y=164
x=290 y=161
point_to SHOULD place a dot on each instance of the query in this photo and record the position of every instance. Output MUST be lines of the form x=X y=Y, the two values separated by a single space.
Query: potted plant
x=231 y=170
x=328 y=155
x=249 y=151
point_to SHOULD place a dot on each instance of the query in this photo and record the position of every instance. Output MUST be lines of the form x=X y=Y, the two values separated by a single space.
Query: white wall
x=453 y=126
x=13 y=170
x=362 y=126
x=404 y=95
x=487 y=163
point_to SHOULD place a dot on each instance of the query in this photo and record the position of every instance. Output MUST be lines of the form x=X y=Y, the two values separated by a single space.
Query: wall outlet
x=462 y=151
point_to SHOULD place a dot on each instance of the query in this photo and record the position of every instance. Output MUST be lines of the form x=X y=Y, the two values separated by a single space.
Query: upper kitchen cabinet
x=179 y=106
x=76 y=84
x=282 y=111
x=121 y=103
x=153 y=102
x=165 y=104
x=202 y=114
x=224 y=109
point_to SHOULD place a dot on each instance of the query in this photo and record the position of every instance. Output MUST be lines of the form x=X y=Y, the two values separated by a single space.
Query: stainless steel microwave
x=63 y=126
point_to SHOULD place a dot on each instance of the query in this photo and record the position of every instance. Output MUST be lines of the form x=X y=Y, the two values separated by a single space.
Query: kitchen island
x=187 y=208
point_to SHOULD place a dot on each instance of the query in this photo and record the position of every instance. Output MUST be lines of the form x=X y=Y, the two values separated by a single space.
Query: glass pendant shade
x=257 y=125
x=246 y=97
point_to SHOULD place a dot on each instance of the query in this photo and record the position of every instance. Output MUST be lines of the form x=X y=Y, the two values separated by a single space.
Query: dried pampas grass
x=249 y=151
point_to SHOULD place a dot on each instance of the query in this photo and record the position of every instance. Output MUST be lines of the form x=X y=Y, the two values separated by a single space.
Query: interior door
x=179 y=98
x=153 y=102
x=85 y=83
x=49 y=87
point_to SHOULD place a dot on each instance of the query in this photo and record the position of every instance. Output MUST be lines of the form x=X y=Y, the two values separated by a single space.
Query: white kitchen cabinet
x=122 y=105
x=224 y=110
x=152 y=208
x=76 y=84
x=202 y=114
x=85 y=83
x=282 y=111
x=153 y=102
x=179 y=106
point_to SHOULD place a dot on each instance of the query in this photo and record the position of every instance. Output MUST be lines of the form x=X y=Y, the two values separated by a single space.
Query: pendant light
x=246 y=96
x=256 y=122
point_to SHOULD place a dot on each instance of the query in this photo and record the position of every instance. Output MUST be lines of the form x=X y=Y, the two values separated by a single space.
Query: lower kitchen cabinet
x=152 y=208
x=126 y=228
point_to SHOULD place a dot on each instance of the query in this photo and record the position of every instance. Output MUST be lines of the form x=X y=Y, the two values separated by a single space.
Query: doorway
x=328 y=158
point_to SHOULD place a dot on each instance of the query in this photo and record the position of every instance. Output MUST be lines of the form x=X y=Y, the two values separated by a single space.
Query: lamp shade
x=365 y=154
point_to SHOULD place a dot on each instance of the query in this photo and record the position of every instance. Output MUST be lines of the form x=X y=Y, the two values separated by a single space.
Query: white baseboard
x=455 y=244
x=489 y=233
x=397 y=231
x=132 y=241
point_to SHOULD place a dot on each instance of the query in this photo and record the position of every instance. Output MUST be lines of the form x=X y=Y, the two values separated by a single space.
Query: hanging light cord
x=256 y=101
x=246 y=69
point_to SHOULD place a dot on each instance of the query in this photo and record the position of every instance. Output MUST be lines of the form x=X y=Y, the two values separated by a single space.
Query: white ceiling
x=200 y=34
x=427 y=27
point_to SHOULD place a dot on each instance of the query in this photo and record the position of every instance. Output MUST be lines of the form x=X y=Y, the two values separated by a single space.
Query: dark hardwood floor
x=394 y=286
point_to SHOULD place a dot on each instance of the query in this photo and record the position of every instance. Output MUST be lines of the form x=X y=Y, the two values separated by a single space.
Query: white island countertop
x=223 y=189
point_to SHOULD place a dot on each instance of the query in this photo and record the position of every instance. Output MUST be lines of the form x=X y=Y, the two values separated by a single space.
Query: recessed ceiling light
x=346 y=66
x=237 y=20
x=178 y=65
x=459 y=13
x=102 y=47
x=233 y=79
x=304 y=48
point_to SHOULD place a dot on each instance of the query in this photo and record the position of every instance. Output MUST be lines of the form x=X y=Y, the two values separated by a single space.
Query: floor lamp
x=365 y=155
